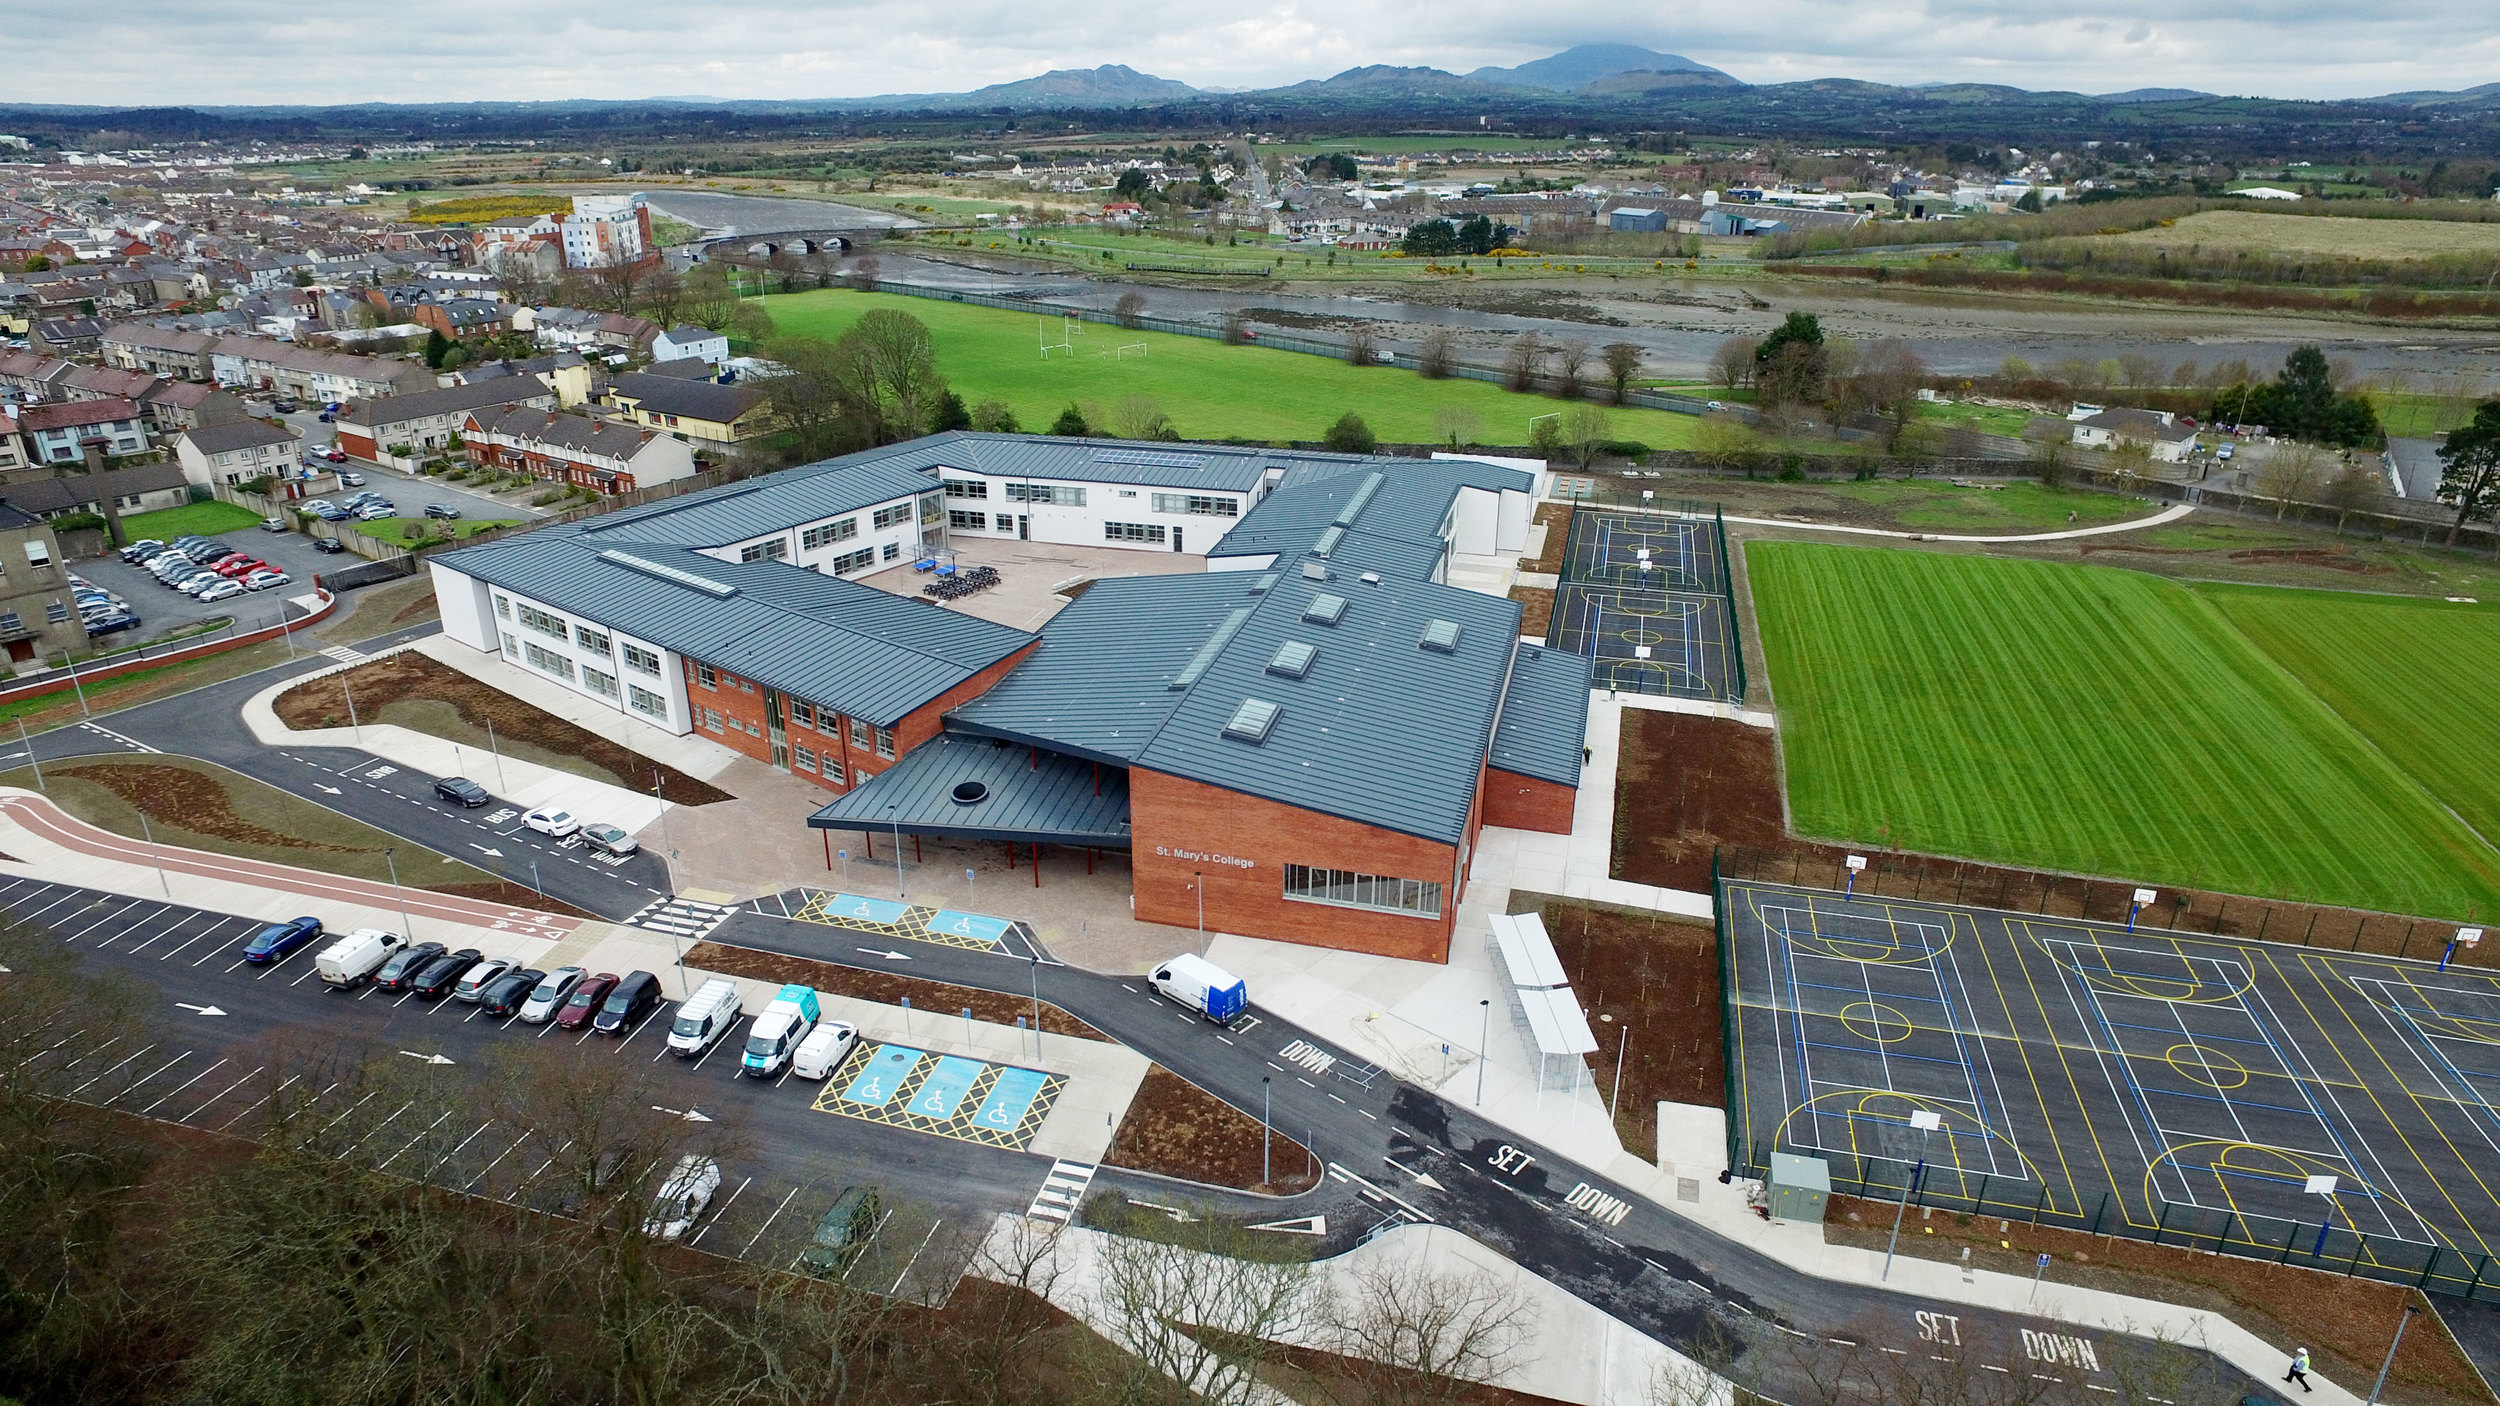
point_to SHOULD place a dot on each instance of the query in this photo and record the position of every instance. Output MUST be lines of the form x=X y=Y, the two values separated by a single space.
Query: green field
x=2016 y=505
x=204 y=519
x=2419 y=678
x=1210 y=390
x=2085 y=719
x=399 y=530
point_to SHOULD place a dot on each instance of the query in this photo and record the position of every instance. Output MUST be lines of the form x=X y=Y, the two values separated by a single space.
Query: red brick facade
x=1239 y=846
x=540 y=465
x=1517 y=802
x=844 y=755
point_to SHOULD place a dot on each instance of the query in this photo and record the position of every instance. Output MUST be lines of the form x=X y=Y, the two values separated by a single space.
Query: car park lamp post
x=350 y=694
x=387 y=851
x=32 y=760
x=1482 y=1041
x=493 y=746
x=1926 y=1123
x=153 y=852
x=1267 y=1131
x=2401 y=1324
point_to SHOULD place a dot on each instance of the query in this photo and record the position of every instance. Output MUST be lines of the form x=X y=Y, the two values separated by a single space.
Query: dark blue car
x=273 y=942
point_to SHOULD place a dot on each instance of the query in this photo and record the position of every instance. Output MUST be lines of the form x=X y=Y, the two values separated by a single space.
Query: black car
x=504 y=995
x=441 y=510
x=461 y=791
x=437 y=977
x=402 y=969
x=328 y=544
x=632 y=999
x=285 y=407
x=108 y=624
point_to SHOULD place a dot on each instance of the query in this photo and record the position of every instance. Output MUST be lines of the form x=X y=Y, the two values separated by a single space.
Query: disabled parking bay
x=970 y=1100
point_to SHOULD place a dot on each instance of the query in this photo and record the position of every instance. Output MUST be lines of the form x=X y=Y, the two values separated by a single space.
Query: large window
x=963 y=521
x=802 y=713
x=885 y=742
x=644 y=701
x=804 y=758
x=552 y=626
x=855 y=561
x=1057 y=495
x=891 y=516
x=832 y=769
x=862 y=733
x=503 y=605
x=599 y=681
x=596 y=641
x=642 y=661
x=548 y=660
x=774 y=550
x=1196 y=504
x=705 y=675
x=970 y=488
x=1132 y=532
x=826 y=534
x=1350 y=890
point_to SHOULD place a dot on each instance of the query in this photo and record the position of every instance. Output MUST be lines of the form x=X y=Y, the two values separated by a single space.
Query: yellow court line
x=2083 y=1108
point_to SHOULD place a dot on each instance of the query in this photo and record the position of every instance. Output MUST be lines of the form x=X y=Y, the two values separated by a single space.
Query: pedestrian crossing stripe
x=681 y=917
x=887 y=918
x=969 y=1100
x=1063 y=1191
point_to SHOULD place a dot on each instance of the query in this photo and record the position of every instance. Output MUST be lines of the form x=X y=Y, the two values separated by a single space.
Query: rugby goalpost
x=1070 y=328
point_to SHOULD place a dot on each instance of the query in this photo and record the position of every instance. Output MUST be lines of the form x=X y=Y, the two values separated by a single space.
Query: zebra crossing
x=689 y=918
x=344 y=655
x=1062 y=1191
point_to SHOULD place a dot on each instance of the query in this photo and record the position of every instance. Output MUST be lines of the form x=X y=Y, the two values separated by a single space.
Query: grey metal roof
x=239 y=434
x=1545 y=716
x=672 y=395
x=1031 y=795
x=1385 y=518
x=738 y=512
x=836 y=643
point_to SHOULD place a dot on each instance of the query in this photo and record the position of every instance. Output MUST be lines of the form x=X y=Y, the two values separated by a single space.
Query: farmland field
x=2084 y=719
x=1210 y=390
x=2321 y=234
x=2419 y=678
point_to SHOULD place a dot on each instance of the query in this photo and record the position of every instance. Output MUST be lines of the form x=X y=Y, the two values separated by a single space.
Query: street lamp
x=1037 y=1003
x=1926 y=1123
x=1481 y=1042
x=2401 y=1324
x=897 y=823
x=1267 y=1134
x=387 y=851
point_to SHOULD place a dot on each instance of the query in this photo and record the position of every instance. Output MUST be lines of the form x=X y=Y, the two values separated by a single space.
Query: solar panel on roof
x=1197 y=665
x=705 y=584
x=1441 y=636
x=1157 y=458
x=1293 y=659
x=1252 y=721
x=1324 y=609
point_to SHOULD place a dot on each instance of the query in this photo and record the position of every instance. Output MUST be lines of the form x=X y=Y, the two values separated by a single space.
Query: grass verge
x=992 y=354
x=2087 y=720
x=405 y=531
x=204 y=519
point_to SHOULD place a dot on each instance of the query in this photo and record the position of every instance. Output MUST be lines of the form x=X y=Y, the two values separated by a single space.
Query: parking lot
x=162 y=608
x=410 y=493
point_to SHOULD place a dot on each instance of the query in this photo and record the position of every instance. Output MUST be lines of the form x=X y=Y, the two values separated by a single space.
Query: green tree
x=1134 y=184
x=1351 y=436
x=2469 y=467
x=995 y=417
x=1430 y=239
x=1071 y=423
x=1790 y=364
x=2030 y=203
x=951 y=414
x=435 y=345
x=2304 y=394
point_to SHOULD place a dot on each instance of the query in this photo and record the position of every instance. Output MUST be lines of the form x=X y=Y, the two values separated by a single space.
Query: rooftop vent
x=705 y=584
x=1197 y=665
x=1328 y=541
x=1324 y=609
x=1262 y=583
x=1441 y=636
x=1362 y=498
x=1293 y=659
x=1371 y=578
x=971 y=793
x=1252 y=721
x=1314 y=571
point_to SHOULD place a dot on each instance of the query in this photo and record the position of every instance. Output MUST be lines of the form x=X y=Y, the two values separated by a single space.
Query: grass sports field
x=2095 y=720
x=1210 y=390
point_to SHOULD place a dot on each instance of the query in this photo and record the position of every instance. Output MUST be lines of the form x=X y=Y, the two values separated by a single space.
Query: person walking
x=2300 y=1369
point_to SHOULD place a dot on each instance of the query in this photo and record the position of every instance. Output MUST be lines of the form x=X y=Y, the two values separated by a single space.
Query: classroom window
x=1196 y=505
x=968 y=488
x=885 y=742
x=891 y=516
x=549 y=660
x=969 y=522
x=893 y=550
x=644 y=701
x=511 y=645
x=855 y=561
x=599 y=681
x=862 y=734
x=826 y=534
x=802 y=713
x=56 y=612
x=711 y=718
x=642 y=661
x=774 y=550
x=1345 y=889
x=503 y=605
x=596 y=641
x=1131 y=532
x=803 y=758
x=552 y=626
x=1057 y=495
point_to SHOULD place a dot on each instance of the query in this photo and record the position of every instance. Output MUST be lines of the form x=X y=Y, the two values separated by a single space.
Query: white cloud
x=156 y=52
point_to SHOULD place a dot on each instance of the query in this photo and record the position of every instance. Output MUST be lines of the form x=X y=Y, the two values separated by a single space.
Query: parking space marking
x=787 y=1197
x=178 y=1088
x=133 y=1085
x=723 y=1211
x=212 y=1098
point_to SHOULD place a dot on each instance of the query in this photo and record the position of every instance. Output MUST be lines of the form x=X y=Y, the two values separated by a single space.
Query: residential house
x=31 y=375
x=139 y=488
x=55 y=433
x=175 y=406
x=166 y=351
x=678 y=343
x=238 y=452
x=423 y=421
x=12 y=449
x=66 y=336
x=106 y=383
x=260 y=364
x=565 y=373
x=608 y=456
x=37 y=620
x=704 y=410
x=2157 y=430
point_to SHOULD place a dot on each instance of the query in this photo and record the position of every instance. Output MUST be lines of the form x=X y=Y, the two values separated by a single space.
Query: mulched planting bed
x=2345 y=1322
x=937 y=997
x=410 y=677
x=1688 y=787
x=203 y=806
x=1557 y=520
x=1655 y=981
x=1176 y=1129
x=1537 y=612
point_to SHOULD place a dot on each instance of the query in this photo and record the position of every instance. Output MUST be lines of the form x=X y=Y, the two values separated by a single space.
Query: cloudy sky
x=133 y=52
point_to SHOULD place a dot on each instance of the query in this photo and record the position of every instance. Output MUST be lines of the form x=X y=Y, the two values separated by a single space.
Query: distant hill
x=1584 y=65
x=1648 y=81
x=1378 y=79
x=1111 y=85
x=2154 y=95
x=2486 y=96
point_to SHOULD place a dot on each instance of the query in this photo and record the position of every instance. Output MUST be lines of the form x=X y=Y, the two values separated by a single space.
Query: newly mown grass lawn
x=401 y=530
x=1929 y=505
x=2420 y=678
x=206 y=519
x=1210 y=390
x=2086 y=719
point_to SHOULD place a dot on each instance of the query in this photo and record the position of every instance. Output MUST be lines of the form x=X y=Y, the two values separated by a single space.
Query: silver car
x=683 y=1199
x=549 y=996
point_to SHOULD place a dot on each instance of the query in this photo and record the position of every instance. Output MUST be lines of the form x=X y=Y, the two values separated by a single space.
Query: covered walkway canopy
x=989 y=789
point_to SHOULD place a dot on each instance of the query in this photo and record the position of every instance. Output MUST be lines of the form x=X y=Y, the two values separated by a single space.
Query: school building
x=1301 y=742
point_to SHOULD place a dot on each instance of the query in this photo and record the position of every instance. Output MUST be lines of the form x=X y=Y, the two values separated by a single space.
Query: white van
x=824 y=1049
x=706 y=1016
x=1201 y=985
x=357 y=956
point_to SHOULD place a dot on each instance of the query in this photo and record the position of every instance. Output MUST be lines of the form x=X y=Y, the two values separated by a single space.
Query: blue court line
x=2431 y=1043
x=2198 y=1036
x=1867 y=1049
x=2228 y=1102
x=1860 y=992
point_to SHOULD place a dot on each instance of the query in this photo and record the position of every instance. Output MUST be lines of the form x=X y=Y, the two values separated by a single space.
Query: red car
x=235 y=568
x=584 y=1002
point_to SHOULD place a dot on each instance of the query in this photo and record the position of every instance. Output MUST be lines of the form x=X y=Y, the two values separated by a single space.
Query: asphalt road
x=1662 y=1273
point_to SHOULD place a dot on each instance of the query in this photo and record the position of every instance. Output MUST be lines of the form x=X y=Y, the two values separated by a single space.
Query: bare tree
x=619 y=282
x=1130 y=310
x=1454 y=425
x=1137 y=417
x=1623 y=362
x=1197 y=1313
x=1519 y=368
x=1362 y=345
x=2141 y=370
x=707 y=297
x=1571 y=359
x=1732 y=363
x=1235 y=329
x=1889 y=377
x=664 y=293
x=1415 y=1336
x=864 y=273
x=1588 y=429
x=2357 y=484
x=1438 y=355
x=1724 y=441
x=2291 y=473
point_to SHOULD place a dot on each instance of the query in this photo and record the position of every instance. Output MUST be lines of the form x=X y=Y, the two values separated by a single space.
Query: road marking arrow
x=427 y=1058
x=889 y=955
x=204 y=1010
x=489 y=853
x=689 y=1114
x=333 y=790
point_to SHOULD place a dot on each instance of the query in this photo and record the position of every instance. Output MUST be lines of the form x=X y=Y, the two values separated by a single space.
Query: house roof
x=687 y=332
x=450 y=400
x=688 y=400
x=111 y=381
x=72 y=414
x=1545 y=714
x=164 y=339
x=239 y=434
x=2140 y=424
x=684 y=368
x=72 y=491
x=838 y=644
x=576 y=434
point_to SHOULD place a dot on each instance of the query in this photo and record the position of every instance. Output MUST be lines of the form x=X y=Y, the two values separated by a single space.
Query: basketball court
x=1643 y=597
x=2303 y=1105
